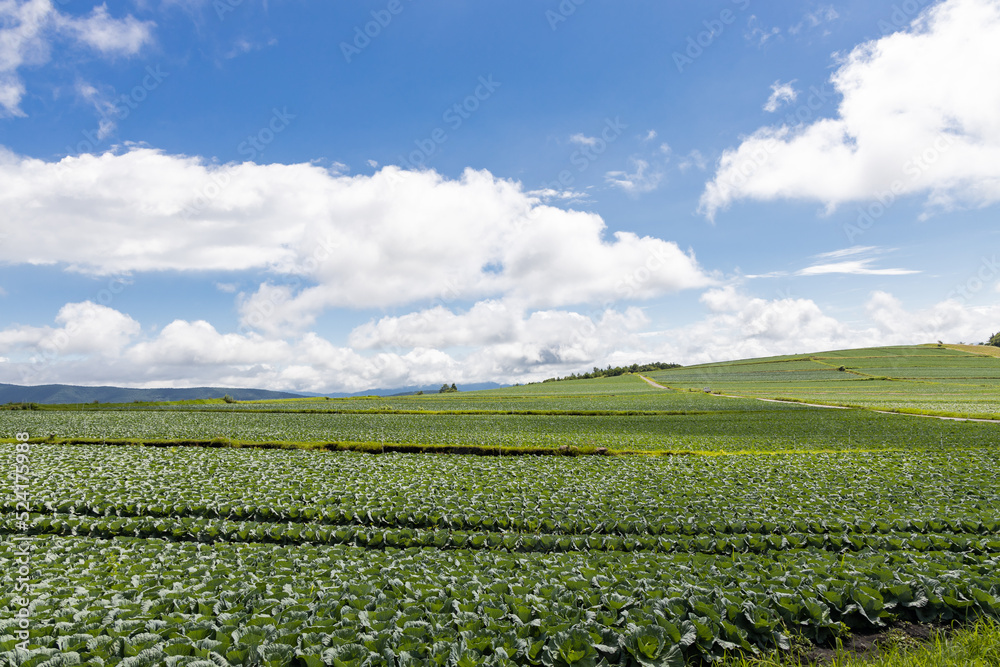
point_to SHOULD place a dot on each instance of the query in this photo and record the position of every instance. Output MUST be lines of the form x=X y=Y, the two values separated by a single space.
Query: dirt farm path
x=836 y=407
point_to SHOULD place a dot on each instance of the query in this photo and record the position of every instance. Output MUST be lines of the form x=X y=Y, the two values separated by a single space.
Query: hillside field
x=951 y=380
x=584 y=522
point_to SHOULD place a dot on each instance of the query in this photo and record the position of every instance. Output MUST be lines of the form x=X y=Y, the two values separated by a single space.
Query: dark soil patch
x=873 y=645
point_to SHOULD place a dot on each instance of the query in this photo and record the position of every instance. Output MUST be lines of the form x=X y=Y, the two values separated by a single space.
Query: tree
x=453 y=387
x=995 y=339
x=444 y=389
x=616 y=371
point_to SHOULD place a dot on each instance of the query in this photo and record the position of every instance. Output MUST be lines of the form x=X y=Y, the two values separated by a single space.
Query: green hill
x=921 y=379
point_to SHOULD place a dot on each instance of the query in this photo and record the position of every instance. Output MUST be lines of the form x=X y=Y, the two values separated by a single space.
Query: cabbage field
x=708 y=528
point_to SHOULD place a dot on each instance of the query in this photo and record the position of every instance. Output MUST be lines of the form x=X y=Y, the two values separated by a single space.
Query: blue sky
x=332 y=196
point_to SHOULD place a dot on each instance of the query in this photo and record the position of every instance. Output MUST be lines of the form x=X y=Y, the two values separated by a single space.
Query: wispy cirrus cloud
x=583 y=140
x=759 y=34
x=856 y=260
x=693 y=159
x=859 y=265
x=644 y=177
x=780 y=93
x=856 y=267
x=819 y=16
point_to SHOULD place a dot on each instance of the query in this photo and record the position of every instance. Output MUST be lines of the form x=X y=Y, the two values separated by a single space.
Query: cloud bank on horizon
x=155 y=263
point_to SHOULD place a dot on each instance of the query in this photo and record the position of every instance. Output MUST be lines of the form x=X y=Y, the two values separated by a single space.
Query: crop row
x=150 y=602
x=215 y=531
x=924 y=491
x=791 y=427
x=526 y=523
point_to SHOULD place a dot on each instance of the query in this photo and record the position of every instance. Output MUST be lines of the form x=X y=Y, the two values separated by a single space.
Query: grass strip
x=518 y=413
x=975 y=645
x=113 y=407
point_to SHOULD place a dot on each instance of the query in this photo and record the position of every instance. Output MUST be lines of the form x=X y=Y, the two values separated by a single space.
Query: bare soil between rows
x=871 y=646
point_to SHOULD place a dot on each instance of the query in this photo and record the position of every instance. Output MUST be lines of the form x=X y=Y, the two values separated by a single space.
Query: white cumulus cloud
x=918 y=115
x=85 y=328
x=389 y=239
x=98 y=345
x=108 y=35
x=29 y=28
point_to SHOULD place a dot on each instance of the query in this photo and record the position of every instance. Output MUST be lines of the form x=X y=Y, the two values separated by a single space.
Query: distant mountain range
x=65 y=393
